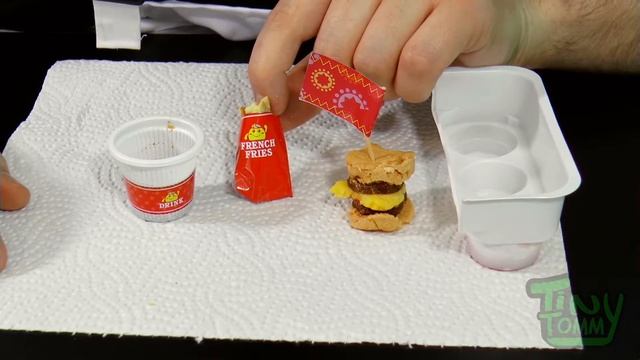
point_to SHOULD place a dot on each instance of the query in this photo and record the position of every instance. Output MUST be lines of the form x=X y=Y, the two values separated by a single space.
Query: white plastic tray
x=509 y=165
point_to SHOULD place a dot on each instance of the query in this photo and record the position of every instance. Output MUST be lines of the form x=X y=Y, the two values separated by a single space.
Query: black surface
x=599 y=115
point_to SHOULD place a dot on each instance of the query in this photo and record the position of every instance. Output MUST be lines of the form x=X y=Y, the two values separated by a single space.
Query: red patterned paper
x=164 y=200
x=343 y=91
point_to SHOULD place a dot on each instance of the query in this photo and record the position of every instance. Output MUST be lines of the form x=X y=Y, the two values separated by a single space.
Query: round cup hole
x=483 y=140
x=155 y=143
x=491 y=180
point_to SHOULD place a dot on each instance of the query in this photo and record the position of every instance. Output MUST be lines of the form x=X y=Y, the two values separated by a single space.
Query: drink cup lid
x=138 y=127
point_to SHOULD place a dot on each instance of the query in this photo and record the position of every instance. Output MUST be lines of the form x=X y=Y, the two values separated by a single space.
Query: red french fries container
x=262 y=164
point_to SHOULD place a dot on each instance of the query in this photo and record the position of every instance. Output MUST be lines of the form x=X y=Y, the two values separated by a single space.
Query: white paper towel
x=286 y=270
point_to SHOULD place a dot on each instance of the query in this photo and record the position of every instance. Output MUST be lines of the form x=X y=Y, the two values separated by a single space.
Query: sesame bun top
x=391 y=166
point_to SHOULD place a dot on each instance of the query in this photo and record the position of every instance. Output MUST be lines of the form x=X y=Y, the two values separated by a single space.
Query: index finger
x=290 y=23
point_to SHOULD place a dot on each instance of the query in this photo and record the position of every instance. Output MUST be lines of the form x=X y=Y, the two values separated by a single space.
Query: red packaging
x=262 y=164
x=159 y=201
x=342 y=91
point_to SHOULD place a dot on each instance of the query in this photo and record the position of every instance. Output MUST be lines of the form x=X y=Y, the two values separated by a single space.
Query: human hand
x=13 y=196
x=403 y=45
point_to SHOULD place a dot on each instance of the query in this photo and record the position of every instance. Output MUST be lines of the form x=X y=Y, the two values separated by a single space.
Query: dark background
x=598 y=113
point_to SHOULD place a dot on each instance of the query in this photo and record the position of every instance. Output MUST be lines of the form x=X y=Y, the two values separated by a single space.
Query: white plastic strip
x=179 y=17
x=117 y=25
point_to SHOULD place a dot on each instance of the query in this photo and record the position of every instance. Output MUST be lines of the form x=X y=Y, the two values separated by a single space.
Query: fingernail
x=288 y=71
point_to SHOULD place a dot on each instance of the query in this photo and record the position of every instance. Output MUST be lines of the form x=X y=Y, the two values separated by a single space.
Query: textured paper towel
x=286 y=270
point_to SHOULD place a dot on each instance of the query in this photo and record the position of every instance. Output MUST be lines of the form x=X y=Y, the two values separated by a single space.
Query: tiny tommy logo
x=558 y=309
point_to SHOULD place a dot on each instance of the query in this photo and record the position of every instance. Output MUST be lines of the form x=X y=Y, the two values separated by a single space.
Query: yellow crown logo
x=257 y=132
x=172 y=196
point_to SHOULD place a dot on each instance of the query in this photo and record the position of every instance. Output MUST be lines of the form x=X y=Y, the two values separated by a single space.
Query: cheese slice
x=377 y=202
x=341 y=189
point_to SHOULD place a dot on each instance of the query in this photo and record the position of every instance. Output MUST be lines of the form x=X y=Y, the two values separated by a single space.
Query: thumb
x=13 y=195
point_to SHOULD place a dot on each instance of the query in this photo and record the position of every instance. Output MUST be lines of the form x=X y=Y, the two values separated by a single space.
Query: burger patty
x=376 y=187
x=363 y=210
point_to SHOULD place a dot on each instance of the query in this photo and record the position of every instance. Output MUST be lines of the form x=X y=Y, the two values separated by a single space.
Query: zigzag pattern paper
x=342 y=91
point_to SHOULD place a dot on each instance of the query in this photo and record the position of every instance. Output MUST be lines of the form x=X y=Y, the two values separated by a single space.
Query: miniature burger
x=377 y=188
